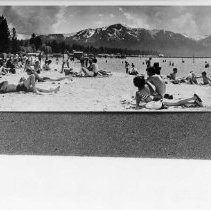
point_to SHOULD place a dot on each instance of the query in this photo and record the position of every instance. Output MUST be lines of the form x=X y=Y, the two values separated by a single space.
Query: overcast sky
x=54 y=19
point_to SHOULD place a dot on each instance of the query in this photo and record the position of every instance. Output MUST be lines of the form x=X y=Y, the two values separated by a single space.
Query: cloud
x=185 y=23
x=135 y=20
x=55 y=19
x=32 y=19
x=99 y=23
x=112 y=15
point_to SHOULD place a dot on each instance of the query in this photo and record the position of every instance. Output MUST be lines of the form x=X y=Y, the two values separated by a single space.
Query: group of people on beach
x=132 y=70
x=151 y=92
x=32 y=67
x=190 y=79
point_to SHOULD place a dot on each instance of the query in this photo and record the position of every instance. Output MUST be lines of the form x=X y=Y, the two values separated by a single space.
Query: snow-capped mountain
x=121 y=36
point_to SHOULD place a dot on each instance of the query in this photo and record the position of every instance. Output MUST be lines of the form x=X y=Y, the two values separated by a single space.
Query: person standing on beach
x=148 y=62
x=65 y=60
x=40 y=58
x=127 y=67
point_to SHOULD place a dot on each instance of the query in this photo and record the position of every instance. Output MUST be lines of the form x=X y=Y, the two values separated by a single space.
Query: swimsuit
x=1 y=85
x=21 y=87
x=95 y=74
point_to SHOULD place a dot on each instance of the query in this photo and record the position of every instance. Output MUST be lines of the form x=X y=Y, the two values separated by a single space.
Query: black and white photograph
x=105 y=58
x=105 y=105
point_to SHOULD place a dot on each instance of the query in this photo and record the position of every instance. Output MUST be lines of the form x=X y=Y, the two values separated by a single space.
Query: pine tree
x=14 y=41
x=4 y=35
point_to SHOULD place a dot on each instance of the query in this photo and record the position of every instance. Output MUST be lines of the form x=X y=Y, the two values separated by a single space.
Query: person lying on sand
x=38 y=78
x=25 y=85
x=157 y=81
x=144 y=95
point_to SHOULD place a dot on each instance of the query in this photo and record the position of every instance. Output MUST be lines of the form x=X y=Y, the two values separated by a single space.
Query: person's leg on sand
x=193 y=100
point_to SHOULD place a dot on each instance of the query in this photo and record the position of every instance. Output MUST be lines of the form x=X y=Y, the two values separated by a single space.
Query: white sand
x=91 y=94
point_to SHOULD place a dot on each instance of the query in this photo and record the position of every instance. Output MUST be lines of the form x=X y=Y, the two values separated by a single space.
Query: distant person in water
x=144 y=95
x=25 y=85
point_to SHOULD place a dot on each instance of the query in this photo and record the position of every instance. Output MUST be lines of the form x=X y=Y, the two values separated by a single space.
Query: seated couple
x=91 y=70
x=157 y=81
x=145 y=96
x=25 y=85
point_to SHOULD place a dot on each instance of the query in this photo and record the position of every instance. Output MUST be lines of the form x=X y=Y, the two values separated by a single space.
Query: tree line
x=10 y=43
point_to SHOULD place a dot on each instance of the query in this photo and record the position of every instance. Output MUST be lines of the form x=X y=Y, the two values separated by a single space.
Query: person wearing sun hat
x=157 y=68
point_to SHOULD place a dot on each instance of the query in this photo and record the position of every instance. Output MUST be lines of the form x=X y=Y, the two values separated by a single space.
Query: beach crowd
x=151 y=87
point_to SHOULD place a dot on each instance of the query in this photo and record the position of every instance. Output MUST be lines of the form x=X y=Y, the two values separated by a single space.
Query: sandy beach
x=92 y=94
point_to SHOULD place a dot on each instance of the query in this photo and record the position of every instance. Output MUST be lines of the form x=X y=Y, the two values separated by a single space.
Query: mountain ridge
x=122 y=36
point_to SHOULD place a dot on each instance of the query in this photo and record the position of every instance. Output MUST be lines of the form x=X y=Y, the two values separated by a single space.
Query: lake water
x=197 y=65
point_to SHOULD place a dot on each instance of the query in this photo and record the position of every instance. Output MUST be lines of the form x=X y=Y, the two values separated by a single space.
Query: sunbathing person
x=157 y=81
x=25 y=85
x=37 y=67
x=173 y=75
x=27 y=65
x=192 y=79
x=133 y=71
x=46 y=66
x=206 y=80
x=144 y=95
x=10 y=66
x=38 y=78
x=3 y=69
